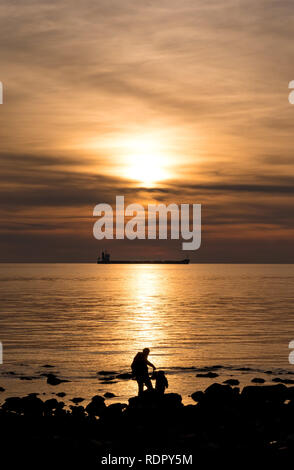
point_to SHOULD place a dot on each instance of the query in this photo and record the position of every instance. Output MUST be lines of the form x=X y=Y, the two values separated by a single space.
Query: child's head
x=160 y=373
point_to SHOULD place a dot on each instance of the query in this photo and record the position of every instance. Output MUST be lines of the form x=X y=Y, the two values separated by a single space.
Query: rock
x=220 y=393
x=283 y=381
x=77 y=411
x=171 y=400
x=109 y=395
x=53 y=380
x=61 y=394
x=125 y=376
x=47 y=366
x=197 y=396
x=106 y=379
x=2 y=389
x=13 y=404
x=29 y=405
x=96 y=407
x=147 y=399
x=207 y=368
x=257 y=380
x=109 y=382
x=271 y=393
x=77 y=400
x=231 y=382
x=210 y=375
x=52 y=405
x=115 y=410
x=107 y=372
x=151 y=399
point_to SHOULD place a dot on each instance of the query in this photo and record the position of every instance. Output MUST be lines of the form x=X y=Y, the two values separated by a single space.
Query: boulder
x=77 y=400
x=53 y=380
x=221 y=393
x=197 y=396
x=257 y=380
x=109 y=395
x=171 y=400
x=125 y=376
x=77 y=411
x=106 y=372
x=29 y=405
x=231 y=382
x=96 y=407
x=270 y=393
x=210 y=375
x=52 y=405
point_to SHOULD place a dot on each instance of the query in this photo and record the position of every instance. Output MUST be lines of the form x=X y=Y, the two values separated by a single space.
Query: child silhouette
x=161 y=382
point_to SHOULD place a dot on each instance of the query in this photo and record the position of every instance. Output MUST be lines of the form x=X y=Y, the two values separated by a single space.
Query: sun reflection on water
x=146 y=315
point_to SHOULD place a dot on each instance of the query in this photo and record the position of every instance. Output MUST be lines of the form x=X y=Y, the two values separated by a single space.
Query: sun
x=145 y=161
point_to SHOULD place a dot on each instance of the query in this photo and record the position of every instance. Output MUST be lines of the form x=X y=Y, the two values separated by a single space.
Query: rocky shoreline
x=255 y=423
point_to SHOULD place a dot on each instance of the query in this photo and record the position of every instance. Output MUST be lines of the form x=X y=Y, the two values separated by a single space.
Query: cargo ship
x=105 y=259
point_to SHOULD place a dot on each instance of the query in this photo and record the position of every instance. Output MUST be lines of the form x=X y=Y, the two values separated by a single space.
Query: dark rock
x=61 y=394
x=53 y=380
x=221 y=393
x=258 y=380
x=77 y=411
x=151 y=399
x=29 y=405
x=106 y=372
x=124 y=376
x=13 y=404
x=114 y=411
x=52 y=405
x=197 y=396
x=231 y=382
x=283 y=381
x=210 y=375
x=106 y=379
x=48 y=366
x=77 y=400
x=109 y=395
x=96 y=407
x=171 y=400
x=109 y=382
x=2 y=389
x=271 y=393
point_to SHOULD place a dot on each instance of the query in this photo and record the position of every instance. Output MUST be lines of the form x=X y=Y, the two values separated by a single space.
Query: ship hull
x=184 y=261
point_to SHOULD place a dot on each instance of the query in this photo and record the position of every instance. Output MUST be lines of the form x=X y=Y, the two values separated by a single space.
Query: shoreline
x=223 y=421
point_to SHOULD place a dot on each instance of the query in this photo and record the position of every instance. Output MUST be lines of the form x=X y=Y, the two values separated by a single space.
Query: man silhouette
x=140 y=370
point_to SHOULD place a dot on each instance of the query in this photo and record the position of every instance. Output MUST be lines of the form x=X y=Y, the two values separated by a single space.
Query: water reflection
x=146 y=317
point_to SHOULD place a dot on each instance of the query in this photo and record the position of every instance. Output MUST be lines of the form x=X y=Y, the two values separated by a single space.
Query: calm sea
x=85 y=318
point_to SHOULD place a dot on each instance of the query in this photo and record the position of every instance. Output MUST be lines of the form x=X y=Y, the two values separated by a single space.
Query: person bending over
x=140 y=370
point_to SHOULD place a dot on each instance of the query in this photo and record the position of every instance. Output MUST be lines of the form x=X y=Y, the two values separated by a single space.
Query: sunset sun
x=145 y=161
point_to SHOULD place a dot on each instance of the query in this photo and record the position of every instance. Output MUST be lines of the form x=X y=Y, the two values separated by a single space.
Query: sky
x=159 y=101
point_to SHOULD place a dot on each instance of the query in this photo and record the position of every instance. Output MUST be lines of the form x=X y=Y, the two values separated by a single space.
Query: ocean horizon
x=232 y=320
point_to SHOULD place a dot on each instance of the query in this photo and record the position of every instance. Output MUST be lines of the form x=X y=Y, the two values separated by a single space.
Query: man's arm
x=150 y=364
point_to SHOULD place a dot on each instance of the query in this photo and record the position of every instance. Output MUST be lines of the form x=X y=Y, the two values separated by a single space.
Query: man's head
x=146 y=351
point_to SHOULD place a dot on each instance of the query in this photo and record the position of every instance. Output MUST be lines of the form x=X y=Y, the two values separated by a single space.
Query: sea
x=84 y=323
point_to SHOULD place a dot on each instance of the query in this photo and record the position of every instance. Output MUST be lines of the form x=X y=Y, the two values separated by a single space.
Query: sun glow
x=145 y=161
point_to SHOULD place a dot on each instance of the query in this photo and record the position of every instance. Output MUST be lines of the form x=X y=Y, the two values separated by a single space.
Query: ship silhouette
x=105 y=259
